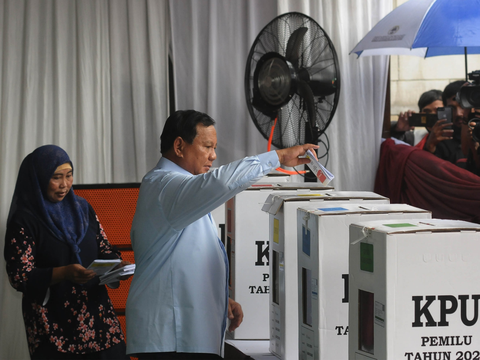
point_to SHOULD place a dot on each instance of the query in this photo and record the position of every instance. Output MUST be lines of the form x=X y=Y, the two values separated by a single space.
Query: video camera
x=469 y=95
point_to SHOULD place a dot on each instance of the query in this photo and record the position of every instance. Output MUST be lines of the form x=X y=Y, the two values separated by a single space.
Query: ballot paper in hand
x=115 y=275
x=318 y=169
x=103 y=266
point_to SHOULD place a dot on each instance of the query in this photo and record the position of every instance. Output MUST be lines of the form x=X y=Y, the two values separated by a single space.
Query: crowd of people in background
x=454 y=142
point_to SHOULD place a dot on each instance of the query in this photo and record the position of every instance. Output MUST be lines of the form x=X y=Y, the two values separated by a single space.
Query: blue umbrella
x=426 y=28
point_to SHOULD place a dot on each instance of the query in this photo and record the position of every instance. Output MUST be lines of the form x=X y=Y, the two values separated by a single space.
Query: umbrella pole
x=466 y=69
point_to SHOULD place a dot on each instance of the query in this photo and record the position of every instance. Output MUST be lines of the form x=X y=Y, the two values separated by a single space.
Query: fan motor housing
x=273 y=82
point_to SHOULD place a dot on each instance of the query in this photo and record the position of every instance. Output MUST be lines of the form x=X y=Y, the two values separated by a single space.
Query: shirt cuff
x=270 y=159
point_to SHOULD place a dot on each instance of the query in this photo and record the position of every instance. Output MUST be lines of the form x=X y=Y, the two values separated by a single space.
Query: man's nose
x=213 y=155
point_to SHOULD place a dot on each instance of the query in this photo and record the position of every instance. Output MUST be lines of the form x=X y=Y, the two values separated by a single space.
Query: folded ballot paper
x=318 y=169
x=104 y=268
x=115 y=275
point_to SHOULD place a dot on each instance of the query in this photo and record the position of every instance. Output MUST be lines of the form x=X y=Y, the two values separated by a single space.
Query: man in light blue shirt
x=178 y=302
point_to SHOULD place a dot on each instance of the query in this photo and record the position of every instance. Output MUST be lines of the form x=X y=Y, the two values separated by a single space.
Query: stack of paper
x=104 y=268
x=115 y=275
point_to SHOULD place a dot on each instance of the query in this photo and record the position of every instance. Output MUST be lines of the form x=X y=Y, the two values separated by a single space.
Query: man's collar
x=169 y=165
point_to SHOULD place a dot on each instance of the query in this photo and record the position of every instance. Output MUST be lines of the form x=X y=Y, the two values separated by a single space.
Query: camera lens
x=474 y=96
x=469 y=97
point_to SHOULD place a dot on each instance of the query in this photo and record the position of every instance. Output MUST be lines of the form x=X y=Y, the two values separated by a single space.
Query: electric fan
x=292 y=81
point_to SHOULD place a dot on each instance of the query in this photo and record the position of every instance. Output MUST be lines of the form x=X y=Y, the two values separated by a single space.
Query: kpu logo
x=449 y=305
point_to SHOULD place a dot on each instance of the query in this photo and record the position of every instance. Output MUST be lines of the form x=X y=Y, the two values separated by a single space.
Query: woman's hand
x=75 y=273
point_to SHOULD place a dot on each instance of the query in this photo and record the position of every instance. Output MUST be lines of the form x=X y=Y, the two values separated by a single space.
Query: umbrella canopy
x=426 y=28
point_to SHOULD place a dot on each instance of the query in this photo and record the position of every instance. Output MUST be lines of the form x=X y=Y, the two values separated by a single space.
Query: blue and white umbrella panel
x=426 y=28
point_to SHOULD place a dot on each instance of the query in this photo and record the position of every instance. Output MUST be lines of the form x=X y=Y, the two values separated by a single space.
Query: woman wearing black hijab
x=52 y=236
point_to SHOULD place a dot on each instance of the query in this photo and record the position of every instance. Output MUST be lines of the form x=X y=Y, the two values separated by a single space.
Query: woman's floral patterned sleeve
x=19 y=255
x=107 y=250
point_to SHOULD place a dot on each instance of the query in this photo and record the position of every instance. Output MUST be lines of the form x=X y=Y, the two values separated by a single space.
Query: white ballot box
x=414 y=290
x=275 y=176
x=248 y=253
x=323 y=246
x=282 y=209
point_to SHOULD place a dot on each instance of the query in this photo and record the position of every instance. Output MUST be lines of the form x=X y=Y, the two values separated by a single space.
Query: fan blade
x=293 y=46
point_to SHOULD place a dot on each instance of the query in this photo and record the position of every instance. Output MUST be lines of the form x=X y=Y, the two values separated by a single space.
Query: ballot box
x=282 y=209
x=414 y=290
x=322 y=274
x=275 y=176
x=247 y=248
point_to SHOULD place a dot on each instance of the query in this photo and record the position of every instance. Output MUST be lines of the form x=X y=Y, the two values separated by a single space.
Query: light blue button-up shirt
x=178 y=297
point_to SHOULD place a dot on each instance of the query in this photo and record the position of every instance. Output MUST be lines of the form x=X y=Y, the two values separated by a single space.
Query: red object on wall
x=115 y=206
x=414 y=176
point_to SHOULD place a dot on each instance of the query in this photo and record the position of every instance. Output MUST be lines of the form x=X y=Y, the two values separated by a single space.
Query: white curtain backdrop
x=91 y=76
x=211 y=41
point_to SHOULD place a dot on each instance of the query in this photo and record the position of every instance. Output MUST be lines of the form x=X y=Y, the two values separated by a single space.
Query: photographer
x=443 y=141
x=428 y=103
x=471 y=141
x=468 y=97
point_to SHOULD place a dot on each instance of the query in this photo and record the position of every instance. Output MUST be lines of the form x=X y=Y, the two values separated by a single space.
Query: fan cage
x=317 y=56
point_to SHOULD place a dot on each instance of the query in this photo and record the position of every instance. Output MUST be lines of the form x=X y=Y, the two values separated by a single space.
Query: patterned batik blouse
x=69 y=317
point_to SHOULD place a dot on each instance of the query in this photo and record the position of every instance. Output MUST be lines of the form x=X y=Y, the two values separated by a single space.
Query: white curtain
x=211 y=42
x=91 y=76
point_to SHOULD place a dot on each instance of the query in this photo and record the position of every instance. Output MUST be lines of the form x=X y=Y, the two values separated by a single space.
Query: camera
x=472 y=117
x=428 y=120
x=469 y=95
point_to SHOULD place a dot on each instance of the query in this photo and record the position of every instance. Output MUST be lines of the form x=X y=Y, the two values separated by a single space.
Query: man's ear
x=178 y=146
